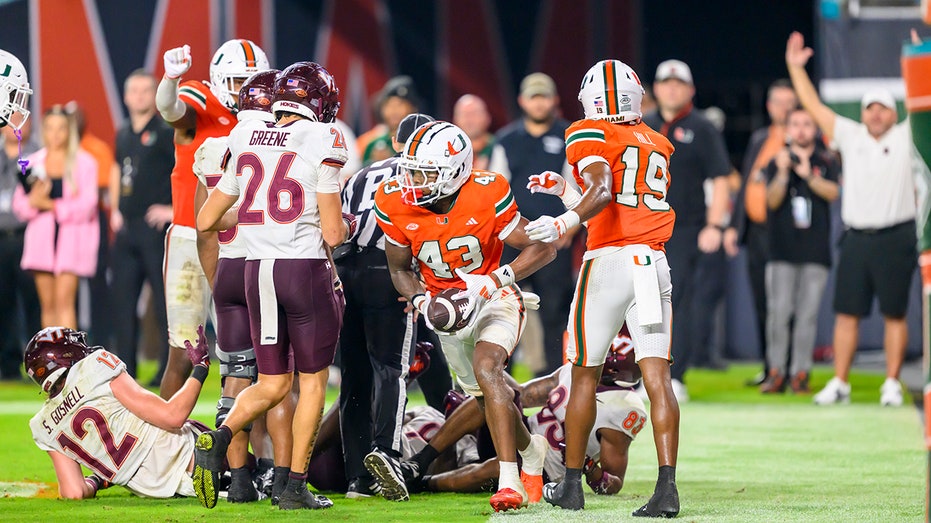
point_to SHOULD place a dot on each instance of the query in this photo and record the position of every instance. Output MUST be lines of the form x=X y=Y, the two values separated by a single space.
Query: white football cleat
x=890 y=394
x=836 y=391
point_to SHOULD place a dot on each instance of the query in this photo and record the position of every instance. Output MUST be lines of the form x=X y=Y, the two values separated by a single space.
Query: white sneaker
x=890 y=394
x=681 y=393
x=836 y=391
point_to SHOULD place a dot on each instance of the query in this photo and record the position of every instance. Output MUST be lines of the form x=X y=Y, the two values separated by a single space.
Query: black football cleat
x=296 y=496
x=567 y=495
x=242 y=490
x=279 y=482
x=209 y=452
x=388 y=473
x=663 y=504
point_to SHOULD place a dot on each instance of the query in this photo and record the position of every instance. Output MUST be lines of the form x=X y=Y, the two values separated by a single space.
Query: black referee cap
x=409 y=124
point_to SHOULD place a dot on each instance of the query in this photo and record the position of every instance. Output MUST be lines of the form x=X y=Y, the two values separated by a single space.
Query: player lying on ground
x=621 y=414
x=96 y=415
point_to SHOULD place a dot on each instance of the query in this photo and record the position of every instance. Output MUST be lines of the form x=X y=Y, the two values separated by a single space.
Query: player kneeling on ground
x=96 y=415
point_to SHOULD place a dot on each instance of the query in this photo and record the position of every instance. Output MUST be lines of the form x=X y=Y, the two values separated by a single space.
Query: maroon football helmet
x=307 y=89
x=421 y=360
x=621 y=366
x=51 y=352
x=258 y=91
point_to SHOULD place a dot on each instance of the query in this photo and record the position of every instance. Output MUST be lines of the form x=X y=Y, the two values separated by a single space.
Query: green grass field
x=742 y=457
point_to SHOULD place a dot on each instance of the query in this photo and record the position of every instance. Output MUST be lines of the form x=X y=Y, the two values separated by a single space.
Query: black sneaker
x=296 y=496
x=663 y=504
x=209 y=451
x=242 y=490
x=359 y=488
x=567 y=495
x=388 y=473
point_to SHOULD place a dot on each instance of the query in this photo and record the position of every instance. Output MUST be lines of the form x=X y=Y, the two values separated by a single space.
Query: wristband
x=200 y=373
x=570 y=198
x=417 y=300
x=505 y=275
x=570 y=218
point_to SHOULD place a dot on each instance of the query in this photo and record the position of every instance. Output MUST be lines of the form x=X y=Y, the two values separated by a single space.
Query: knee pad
x=238 y=364
x=223 y=410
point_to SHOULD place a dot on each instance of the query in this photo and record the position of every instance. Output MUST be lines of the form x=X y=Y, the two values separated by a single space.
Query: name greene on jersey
x=469 y=237
x=270 y=138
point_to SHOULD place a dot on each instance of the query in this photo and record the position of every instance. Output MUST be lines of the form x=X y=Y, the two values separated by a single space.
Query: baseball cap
x=878 y=96
x=537 y=84
x=411 y=123
x=400 y=87
x=673 y=69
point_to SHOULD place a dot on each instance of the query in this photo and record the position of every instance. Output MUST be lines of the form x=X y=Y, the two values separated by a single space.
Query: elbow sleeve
x=167 y=102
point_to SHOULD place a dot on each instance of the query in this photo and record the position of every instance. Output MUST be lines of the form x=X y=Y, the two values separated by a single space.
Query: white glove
x=421 y=303
x=479 y=288
x=549 y=182
x=548 y=229
x=177 y=61
x=531 y=300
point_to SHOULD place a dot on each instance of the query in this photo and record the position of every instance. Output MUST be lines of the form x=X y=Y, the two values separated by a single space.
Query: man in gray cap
x=878 y=252
x=531 y=145
x=397 y=99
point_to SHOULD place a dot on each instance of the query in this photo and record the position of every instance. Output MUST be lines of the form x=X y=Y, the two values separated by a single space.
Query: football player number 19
x=655 y=176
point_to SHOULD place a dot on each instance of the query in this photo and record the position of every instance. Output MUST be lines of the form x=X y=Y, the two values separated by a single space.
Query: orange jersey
x=468 y=237
x=639 y=159
x=213 y=120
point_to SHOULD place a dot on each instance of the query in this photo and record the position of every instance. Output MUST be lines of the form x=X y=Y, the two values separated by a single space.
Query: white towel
x=646 y=284
x=268 y=303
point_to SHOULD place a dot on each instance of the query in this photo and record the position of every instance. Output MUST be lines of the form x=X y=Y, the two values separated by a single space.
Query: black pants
x=136 y=257
x=436 y=381
x=101 y=324
x=19 y=305
x=682 y=253
x=376 y=347
x=709 y=291
x=757 y=242
x=555 y=285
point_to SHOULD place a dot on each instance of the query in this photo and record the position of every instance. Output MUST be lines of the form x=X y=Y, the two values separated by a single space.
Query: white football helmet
x=611 y=91
x=14 y=91
x=235 y=60
x=436 y=157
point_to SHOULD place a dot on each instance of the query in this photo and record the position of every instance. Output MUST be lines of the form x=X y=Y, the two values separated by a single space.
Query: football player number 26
x=432 y=255
x=118 y=452
x=280 y=183
x=655 y=176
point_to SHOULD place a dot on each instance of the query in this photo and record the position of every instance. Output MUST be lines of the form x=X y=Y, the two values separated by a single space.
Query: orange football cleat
x=507 y=499
x=533 y=485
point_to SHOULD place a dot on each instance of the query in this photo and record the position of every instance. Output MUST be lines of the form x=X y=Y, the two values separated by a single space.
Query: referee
x=378 y=337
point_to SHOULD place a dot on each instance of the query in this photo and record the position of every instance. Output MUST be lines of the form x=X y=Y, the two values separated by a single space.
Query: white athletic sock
x=533 y=456
x=508 y=477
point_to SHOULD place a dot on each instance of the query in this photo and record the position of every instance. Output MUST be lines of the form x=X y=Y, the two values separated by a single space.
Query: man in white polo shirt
x=878 y=253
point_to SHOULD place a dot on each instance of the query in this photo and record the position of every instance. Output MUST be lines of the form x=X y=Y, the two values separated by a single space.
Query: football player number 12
x=655 y=176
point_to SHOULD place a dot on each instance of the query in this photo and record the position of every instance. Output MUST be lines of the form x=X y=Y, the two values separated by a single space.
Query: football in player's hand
x=446 y=313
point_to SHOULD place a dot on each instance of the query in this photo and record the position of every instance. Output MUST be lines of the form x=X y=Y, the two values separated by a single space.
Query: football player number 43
x=280 y=183
x=655 y=176
x=432 y=256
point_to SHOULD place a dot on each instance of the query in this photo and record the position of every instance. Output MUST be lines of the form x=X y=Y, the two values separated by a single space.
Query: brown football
x=446 y=313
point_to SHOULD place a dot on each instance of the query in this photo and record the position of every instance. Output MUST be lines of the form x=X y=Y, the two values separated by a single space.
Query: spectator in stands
x=60 y=244
x=397 y=99
x=19 y=305
x=802 y=183
x=748 y=222
x=471 y=114
x=528 y=146
x=101 y=326
x=878 y=252
x=700 y=155
x=140 y=190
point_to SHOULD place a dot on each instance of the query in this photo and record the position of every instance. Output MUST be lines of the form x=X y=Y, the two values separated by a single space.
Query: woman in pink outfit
x=62 y=235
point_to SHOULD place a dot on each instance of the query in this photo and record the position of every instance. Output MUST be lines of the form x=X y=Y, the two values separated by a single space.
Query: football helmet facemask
x=14 y=91
x=435 y=163
x=621 y=366
x=235 y=60
x=307 y=89
x=51 y=352
x=611 y=91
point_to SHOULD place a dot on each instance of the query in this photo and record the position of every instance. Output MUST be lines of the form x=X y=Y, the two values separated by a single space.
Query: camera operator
x=801 y=184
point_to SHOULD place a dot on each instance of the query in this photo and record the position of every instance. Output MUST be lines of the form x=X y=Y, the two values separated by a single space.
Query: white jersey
x=279 y=171
x=617 y=409
x=423 y=425
x=210 y=161
x=88 y=424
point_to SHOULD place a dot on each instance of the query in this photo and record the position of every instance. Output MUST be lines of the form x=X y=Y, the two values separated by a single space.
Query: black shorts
x=877 y=263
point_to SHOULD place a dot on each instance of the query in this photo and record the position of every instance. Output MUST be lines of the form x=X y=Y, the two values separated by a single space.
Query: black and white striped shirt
x=359 y=198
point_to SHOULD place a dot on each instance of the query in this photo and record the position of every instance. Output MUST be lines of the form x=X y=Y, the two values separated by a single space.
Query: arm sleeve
x=328 y=179
x=79 y=205
x=167 y=102
x=228 y=184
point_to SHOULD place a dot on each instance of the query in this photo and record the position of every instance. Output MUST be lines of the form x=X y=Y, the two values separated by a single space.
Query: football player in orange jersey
x=455 y=221
x=197 y=111
x=623 y=165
